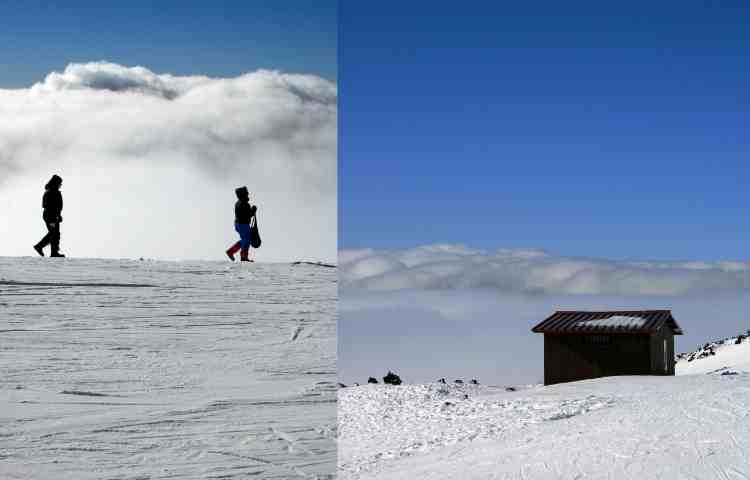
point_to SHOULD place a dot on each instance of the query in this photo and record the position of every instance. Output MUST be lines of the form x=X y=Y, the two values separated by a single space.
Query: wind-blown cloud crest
x=117 y=78
x=454 y=267
x=275 y=132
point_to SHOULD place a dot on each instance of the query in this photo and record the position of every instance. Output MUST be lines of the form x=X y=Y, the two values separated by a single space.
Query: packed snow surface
x=143 y=369
x=636 y=427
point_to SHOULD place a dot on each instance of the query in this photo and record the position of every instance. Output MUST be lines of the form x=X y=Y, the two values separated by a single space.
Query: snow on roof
x=621 y=321
x=616 y=321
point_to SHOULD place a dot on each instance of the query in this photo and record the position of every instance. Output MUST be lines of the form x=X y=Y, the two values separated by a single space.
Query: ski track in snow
x=691 y=427
x=124 y=369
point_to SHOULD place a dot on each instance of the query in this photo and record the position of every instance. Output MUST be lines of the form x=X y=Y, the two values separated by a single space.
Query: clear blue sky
x=585 y=128
x=180 y=37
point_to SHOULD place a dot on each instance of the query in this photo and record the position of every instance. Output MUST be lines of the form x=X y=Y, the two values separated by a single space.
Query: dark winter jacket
x=243 y=211
x=52 y=201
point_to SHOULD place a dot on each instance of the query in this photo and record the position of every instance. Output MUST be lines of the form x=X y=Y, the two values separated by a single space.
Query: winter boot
x=232 y=250
x=39 y=250
x=57 y=254
x=243 y=255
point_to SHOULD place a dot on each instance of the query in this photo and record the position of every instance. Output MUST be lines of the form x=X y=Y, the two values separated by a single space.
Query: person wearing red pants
x=243 y=216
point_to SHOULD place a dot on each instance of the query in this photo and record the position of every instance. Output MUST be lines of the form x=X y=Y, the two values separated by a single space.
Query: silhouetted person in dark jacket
x=243 y=216
x=52 y=203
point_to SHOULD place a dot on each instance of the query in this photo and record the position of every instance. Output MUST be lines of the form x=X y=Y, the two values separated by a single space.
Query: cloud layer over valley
x=134 y=146
x=455 y=267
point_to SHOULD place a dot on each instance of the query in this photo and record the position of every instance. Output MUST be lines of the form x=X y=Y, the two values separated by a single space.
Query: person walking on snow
x=243 y=216
x=52 y=203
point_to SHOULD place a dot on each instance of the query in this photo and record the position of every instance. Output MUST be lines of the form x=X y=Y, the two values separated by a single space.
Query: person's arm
x=244 y=212
x=59 y=211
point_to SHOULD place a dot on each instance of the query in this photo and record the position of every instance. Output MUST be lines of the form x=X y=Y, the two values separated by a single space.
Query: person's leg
x=55 y=239
x=39 y=246
x=46 y=240
x=43 y=242
x=231 y=251
x=244 y=230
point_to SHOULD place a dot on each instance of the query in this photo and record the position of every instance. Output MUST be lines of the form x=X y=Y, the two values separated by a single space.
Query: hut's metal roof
x=631 y=321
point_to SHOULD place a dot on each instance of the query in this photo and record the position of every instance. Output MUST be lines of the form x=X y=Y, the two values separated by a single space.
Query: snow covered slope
x=145 y=369
x=637 y=427
x=729 y=354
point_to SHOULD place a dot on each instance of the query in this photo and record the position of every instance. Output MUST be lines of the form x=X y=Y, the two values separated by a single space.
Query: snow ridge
x=716 y=356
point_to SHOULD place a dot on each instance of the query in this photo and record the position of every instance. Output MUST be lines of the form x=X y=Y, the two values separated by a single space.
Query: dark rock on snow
x=392 y=379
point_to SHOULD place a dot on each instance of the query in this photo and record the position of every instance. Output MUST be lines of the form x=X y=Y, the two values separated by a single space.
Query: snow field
x=382 y=422
x=639 y=427
x=124 y=369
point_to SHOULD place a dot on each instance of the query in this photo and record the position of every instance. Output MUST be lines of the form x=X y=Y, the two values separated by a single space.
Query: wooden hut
x=580 y=345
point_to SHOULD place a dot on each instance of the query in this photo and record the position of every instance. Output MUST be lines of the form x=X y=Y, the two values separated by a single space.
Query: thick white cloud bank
x=535 y=272
x=150 y=162
x=451 y=311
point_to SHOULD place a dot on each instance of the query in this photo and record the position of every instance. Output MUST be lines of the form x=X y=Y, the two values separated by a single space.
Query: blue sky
x=180 y=37
x=584 y=128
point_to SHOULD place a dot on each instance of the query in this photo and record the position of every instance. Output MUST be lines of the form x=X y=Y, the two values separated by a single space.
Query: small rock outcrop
x=392 y=379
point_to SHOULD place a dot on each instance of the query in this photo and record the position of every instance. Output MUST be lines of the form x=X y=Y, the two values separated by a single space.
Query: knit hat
x=241 y=193
x=54 y=182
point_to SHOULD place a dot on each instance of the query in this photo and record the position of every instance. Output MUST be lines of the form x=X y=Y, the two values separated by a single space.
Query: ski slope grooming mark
x=150 y=370
x=647 y=427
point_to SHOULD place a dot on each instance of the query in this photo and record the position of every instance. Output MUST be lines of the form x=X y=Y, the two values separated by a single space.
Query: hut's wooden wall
x=569 y=358
x=658 y=367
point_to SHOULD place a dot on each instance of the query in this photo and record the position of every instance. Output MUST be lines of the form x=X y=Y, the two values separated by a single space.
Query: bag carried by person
x=254 y=234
